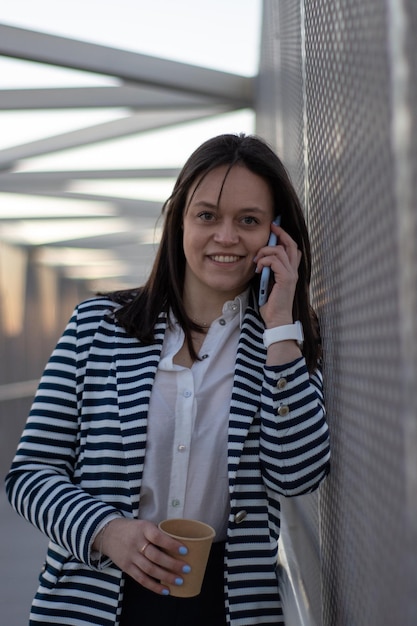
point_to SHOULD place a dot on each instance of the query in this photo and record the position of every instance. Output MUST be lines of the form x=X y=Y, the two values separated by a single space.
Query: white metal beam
x=116 y=129
x=130 y=66
x=102 y=241
x=60 y=176
x=138 y=98
x=57 y=181
x=126 y=207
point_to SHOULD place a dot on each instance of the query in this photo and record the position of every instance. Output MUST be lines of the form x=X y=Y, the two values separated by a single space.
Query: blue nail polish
x=183 y=550
x=186 y=569
x=179 y=581
x=165 y=592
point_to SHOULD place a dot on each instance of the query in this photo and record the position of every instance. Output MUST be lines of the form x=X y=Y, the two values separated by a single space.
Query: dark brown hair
x=164 y=288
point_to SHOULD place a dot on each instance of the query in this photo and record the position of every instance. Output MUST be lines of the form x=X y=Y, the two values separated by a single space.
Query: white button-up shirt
x=185 y=472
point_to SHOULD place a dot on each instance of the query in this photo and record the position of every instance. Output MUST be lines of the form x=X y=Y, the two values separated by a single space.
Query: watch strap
x=284 y=333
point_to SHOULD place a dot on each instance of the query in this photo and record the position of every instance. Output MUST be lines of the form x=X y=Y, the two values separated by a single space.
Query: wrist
x=98 y=542
x=282 y=319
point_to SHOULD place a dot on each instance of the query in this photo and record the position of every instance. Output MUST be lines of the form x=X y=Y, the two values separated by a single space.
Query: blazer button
x=283 y=410
x=240 y=516
x=282 y=383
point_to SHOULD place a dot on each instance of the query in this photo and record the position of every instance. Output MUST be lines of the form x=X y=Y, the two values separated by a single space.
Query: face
x=223 y=229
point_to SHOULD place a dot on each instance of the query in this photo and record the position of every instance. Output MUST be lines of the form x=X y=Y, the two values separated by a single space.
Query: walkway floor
x=22 y=552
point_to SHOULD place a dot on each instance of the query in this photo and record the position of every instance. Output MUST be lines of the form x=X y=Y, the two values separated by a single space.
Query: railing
x=15 y=391
x=293 y=594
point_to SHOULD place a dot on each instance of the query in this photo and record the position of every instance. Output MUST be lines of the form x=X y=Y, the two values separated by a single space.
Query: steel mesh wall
x=345 y=84
x=280 y=111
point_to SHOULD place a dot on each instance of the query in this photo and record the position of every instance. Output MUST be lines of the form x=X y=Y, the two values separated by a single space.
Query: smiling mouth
x=225 y=258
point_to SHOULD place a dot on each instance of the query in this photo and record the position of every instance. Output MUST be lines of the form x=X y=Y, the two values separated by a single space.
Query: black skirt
x=142 y=607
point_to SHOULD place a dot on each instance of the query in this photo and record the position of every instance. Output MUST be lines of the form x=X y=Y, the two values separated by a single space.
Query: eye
x=206 y=216
x=248 y=220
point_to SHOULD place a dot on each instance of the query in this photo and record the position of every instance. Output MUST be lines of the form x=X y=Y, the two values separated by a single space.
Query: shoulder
x=97 y=306
x=109 y=301
x=94 y=313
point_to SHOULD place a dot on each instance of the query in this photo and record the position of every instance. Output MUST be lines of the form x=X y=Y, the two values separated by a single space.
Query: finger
x=152 y=560
x=155 y=577
x=158 y=574
x=287 y=241
x=283 y=237
x=277 y=259
x=152 y=537
x=290 y=247
x=289 y=256
x=146 y=581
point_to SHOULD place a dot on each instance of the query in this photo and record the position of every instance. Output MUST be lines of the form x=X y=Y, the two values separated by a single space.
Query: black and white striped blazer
x=82 y=452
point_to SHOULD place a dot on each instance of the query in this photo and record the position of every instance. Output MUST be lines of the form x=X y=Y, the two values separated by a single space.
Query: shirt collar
x=236 y=306
x=231 y=308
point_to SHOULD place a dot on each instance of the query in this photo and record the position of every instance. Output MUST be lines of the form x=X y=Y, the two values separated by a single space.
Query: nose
x=226 y=234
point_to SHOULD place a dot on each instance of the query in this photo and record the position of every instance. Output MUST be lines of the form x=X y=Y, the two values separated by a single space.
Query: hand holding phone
x=266 y=271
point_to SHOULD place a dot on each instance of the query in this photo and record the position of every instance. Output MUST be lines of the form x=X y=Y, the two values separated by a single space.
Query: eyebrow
x=204 y=204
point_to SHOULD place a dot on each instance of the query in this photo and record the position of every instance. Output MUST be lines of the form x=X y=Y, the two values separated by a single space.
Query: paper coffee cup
x=197 y=537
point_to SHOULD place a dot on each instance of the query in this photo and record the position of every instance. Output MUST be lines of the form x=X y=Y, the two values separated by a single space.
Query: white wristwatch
x=283 y=333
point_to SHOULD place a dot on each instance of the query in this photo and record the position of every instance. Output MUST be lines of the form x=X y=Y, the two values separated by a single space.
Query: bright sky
x=222 y=34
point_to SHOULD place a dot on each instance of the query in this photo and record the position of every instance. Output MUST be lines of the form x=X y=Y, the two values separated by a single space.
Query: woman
x=182 y=398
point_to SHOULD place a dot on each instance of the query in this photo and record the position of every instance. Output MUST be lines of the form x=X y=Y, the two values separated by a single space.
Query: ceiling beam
x=106 y=241
x=126 y=207
x=40 y=178
x=129 y=66
x=139 y=98
x=57 y=181
x=114 y=129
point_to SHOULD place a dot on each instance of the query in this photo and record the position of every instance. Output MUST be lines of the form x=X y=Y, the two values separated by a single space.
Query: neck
x=203 y=311
x=202 y=304
x=203 y=316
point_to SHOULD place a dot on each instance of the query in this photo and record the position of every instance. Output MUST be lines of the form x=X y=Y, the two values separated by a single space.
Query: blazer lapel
x=247 y=385
x=136 y=366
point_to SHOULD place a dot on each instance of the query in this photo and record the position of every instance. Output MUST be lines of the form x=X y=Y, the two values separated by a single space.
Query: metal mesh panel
x=292 y=98
x=280 y=111
x=353 y=222
x=349 y=130
x=282 y=103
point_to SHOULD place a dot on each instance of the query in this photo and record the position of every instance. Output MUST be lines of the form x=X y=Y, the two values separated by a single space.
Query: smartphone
x=266 y=272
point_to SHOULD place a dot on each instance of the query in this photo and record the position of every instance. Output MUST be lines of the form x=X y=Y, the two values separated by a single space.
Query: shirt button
x=283 y=410
x=282 y=383
x=205 y=356
x=187 y=394
x=175 y=502
x=222 y=322
x=181 y=448
x=234 y=306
